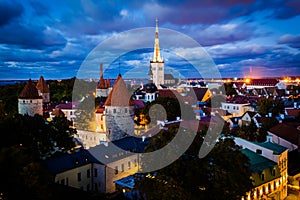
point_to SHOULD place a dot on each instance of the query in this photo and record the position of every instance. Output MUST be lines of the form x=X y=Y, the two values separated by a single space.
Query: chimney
x=269 y=138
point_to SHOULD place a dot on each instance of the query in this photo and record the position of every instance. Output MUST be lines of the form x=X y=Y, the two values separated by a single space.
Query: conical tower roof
x=29 y=91
x=42 y=85
x=119 y=95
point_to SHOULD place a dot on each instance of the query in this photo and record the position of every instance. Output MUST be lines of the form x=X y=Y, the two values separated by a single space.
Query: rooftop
x=276 y=148
x=29 y=91
x=258 y=163
x=42 y=85
x=119 y=95
x=66 y=161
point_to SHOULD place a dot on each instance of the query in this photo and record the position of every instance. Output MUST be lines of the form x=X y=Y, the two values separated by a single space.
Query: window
x=95 y=172
x=88 y=187
x=135 y=162
x=62 y=181
x=122 y=167
x=115 y=110
x=129 y=165
x=67 y=181
x=125 y=110
x=116 y=170
x=95 y=186
x=258 y=151
x=273 y=172
x=88 y=173
x=262 y=177
x=79 y=176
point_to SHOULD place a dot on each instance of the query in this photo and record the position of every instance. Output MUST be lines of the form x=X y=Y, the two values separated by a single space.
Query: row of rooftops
x=31 y=91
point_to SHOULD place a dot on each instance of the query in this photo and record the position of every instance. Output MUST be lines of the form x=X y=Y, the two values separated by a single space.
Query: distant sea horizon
x=137 y=80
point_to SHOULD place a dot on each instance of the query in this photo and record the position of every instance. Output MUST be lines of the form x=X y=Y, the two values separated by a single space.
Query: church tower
x=156 y=63
x=29 y=101
x=103 y=86
x=119 y=111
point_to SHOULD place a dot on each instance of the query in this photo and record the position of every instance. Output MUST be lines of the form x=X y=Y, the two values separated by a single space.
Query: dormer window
x=258 y=151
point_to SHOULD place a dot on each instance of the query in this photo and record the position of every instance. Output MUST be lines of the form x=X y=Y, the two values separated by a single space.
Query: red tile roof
x=293 y=112
x=29 y=91
x=263 y=82
x=119 y=95
x=287 y=132
x=69 y=105
x=42 y=85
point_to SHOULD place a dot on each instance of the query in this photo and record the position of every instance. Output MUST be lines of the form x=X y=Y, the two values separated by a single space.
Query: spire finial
x=156 y=56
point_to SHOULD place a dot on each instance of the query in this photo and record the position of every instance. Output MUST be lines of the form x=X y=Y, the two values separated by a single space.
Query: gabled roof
x=250 y=113
x=42 y=85
x=119 y=149
x=293 y=112
x=119 y=95
x=29 y=91
x=66 y=161
x=258 y=163
x=199 y=92
x=287 y=132
x=276 y=148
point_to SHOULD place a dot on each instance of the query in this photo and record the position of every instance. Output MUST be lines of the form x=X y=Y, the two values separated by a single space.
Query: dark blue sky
x=53 y=38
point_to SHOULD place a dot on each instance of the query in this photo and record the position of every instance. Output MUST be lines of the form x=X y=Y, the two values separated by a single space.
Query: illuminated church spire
x=156 y=55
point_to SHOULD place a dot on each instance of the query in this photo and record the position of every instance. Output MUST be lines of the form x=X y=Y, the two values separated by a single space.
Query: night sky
x=244 y=38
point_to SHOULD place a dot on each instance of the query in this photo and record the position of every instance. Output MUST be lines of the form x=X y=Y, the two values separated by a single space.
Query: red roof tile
x=287 y=132
x=29 y=91
x=42 y=85
x=119 y=95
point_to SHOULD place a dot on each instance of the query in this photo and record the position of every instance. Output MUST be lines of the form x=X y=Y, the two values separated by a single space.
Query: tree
x=229 y=89
x=266 y=124
x=265 y=106
x=223 y=174
x=25 y=142
x=85 y=114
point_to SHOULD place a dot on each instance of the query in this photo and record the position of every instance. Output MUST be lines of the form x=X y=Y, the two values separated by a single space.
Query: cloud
x=31 y=37
x=8 y=11
x=291 y=40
